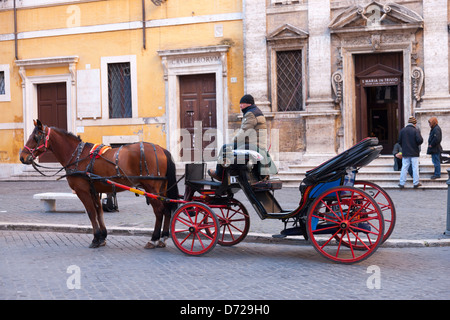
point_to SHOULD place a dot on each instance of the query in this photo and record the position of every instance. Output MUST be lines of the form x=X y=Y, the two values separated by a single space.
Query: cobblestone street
x=39 y=265
x=59 y=265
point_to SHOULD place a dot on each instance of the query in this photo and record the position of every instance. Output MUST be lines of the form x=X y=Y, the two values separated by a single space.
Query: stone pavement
x=43 y=265
x=421 y=213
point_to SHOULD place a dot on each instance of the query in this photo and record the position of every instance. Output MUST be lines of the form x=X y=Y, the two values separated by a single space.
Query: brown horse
x=140 y=164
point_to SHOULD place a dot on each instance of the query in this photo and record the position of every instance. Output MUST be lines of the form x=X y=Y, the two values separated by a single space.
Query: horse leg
x=155 y=240
x=165 y=233
x=167 y=215
x=90 y=206
x=102 y=234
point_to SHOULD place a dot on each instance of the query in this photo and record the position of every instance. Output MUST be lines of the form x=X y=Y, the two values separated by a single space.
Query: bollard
x=447 y=232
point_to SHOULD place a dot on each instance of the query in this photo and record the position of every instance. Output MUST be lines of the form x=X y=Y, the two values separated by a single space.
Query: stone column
x=435 y=35
x=255 y=53
x=319 y=59
x=320 y=113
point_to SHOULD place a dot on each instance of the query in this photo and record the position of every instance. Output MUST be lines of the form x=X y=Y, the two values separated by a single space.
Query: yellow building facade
x=118 y=71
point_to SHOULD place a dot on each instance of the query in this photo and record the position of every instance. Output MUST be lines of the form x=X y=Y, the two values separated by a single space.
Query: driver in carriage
x=252 y=135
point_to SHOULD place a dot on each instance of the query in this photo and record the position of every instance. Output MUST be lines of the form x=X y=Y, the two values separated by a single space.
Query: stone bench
x=48 y=199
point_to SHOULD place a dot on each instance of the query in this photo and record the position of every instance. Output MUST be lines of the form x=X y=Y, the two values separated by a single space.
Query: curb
x=251 y=237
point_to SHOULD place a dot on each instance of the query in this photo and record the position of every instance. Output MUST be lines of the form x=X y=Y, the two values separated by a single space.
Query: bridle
x=40 y=143
x=42 y=140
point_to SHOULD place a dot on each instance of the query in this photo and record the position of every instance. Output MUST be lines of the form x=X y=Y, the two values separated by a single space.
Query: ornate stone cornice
x=287 y=32
x=48 y=62
x=375 y=16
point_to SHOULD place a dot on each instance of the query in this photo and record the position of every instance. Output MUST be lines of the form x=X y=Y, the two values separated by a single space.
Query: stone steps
x=380 y=171
x=30 y=174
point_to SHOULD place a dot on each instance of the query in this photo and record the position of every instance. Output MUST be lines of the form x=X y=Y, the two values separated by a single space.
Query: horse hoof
x=150 y=245
x=161 y=244
x=97 y=244
x=94 y=245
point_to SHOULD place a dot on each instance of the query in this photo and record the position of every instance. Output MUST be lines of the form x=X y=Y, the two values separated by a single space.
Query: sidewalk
x=421 y=214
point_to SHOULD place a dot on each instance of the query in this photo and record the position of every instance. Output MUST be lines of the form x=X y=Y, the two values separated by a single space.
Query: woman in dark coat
x=434 y=146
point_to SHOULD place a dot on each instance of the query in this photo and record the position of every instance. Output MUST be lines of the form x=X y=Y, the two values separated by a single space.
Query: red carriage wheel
x=384 y=201
x=194 y=228
x=345 y=224
x=234 y=222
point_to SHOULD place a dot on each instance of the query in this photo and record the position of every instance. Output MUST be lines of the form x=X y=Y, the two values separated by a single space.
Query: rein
x=36 y=165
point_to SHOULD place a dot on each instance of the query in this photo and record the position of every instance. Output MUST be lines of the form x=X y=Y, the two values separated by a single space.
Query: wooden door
x=379 y=97
x=198 y=116
x=52 y=110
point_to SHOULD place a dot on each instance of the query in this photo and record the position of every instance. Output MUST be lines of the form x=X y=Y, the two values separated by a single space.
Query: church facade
x=334 y=72
x=325 y=73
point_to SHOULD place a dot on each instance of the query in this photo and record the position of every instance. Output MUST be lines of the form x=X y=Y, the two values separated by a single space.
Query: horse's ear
x=34 y=123
x=39 y=124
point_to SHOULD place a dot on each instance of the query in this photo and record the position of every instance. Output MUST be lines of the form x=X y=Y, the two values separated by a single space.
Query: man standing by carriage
x=410 y=140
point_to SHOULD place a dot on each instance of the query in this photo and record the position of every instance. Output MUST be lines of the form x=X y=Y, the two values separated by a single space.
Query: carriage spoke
x=331 y=210
x=194 y=229
x=384 y=202
x=349 y=235
x=357 y=238
x=234 y=222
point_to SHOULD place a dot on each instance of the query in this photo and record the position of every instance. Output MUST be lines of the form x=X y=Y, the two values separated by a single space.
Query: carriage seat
x=195 y=174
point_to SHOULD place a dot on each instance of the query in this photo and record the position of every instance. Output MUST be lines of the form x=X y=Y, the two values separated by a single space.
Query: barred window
x=119 y=90
x=2 y=82
x=289 y=80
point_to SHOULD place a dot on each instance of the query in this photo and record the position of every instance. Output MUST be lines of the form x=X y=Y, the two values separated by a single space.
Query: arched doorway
x=379 y=97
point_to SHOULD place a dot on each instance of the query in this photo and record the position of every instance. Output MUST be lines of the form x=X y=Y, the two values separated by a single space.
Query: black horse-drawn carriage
x=345 y=220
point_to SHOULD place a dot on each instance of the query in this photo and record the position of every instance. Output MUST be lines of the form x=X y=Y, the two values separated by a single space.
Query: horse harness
x=99 y=149
x=96 y=151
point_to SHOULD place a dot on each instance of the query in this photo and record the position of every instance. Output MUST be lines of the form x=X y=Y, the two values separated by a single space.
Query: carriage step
x=203 y=182
x=295 y=231
x=267 y=185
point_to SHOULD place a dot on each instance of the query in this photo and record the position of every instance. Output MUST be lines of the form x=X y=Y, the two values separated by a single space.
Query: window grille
x=119 y=90
x=275 y=2
x=2 y=82
x=289 y=80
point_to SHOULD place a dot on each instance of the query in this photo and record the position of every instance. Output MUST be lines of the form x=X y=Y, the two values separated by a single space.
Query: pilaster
x=436 y=84
x=320 y=115
x=255 y=53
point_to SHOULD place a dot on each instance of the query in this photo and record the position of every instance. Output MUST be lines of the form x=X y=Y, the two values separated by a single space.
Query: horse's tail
x=172 y=186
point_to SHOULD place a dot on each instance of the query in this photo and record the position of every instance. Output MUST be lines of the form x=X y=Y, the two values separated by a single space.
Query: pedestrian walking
x=398 y=155
x=434 y=146
x=410 y=140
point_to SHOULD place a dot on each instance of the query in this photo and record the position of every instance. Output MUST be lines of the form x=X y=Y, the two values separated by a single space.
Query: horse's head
x=37 y=143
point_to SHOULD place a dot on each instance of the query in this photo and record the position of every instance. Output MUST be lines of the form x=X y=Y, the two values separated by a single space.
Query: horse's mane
x=67 y=134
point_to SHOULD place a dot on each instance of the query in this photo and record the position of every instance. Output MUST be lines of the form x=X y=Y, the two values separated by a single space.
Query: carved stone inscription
x=194 y=60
